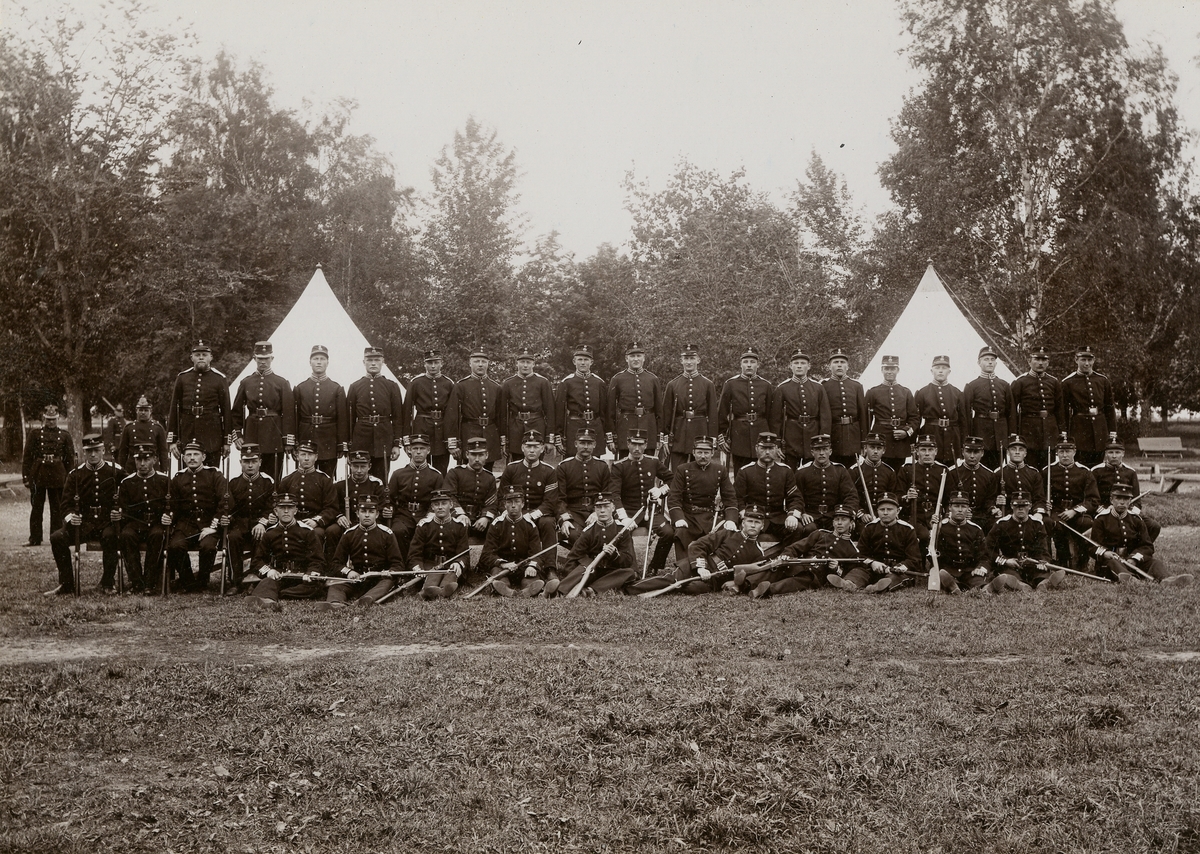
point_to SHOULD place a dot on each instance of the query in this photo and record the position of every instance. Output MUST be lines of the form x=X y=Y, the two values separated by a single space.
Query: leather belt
x=529 y=415
x=994 y=415
x=637 y=411
x=1044 y=413
x=375 y=419
x=414 y=506
x=803 y=419
x=49 y=458
x=749 y=417
x=585 y=415
x=197 y=411
x=1093 y=410
x=317 y=420
x=583 y=501
x=689 y=413
x=943 y=422
x=263 y=412
x=845 y=420
x=692 y=508
x=432 y=415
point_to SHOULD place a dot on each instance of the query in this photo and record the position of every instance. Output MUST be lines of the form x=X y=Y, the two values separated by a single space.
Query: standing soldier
x=141 y=502
x=252 y=502
x=473 y=486
x=359 y=483
x=849 y=416
x=89 y=503
x=197 y=499
x=199 y=410
x=825 y=485
x=580 y=403
x=537 y=481
x=1091 y=414
x=976 y=482
x=270 y=422
x=316 y=499
x=321 y=414
x=689 y=407
x=409 y=490
x=635 y=402
x=872 y=477
x=49 y=455
x=114 y=427
x=799 y=411
x=376 y=407
x=1037 y=397
x=894 y=414
x=143 y=430
x=526 y=406
x=581 y=481
x=943 y=412
x=990 y=408
x=1073 y=502
x=474 y=411
x=744 y=410
x=425 y=409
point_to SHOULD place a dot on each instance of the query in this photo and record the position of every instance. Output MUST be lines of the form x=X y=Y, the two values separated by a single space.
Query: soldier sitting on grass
x=722 y=550
x=615 y=569
x=510 y=546
x=1019 y=549
x=780 y=577
x=890 y=549
x=365 y=547
x=962 y=554
x=1123 y=537
x=286 y=550
x=436 y=541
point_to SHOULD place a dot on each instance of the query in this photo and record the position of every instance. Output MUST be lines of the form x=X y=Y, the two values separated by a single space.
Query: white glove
x=730 y=526
x=272 y=574
x=681 y=523
x=658 y=492
x=629 y=524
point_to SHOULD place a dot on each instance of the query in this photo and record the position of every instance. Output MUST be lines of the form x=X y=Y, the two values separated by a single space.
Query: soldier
x=771 y=486
x=605 y=537
x=635 y=487
x=526 y=406
x=780 y=577
x=358 y=483
x=1091 y=414
x=197 y=499
x=199 y=410
x=977 y=482
x=943 y=412
x=1017 y=546
x=366 y=547
x=689 y=407
x=890 y=551
x=141 y=502
x=316 y=499
x=872 y=477
x=473 y=412
x=410 y=489
x=322 y=417
x=1122 y=539
x=376 y=407
x=824 y=485
x=252 y=503
x=89 y=502
x=425 y=409
x=1113 y=471
x=474 y=487
x=1017 y=476
x=510 y=546
x=434 y=545
x=635 y=402
x=848 y=411
x=537 y=481
x=270 y=421
x=1073 y=501
x=722 y=551
x=1038 y=399
x=921 y=482
x=799 y=411
x=894 y=414
x=143 y=430
x=286 y=547
x=580 y=403
x=962 y=553
x=49 y=455
x=743 y=411
x=114 y=427
x=581 y=480
x=990 y=408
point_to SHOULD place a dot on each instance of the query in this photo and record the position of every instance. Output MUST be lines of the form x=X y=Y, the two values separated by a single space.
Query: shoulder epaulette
x=973 y=525
x=905 y=524
x=1104 y=510
x=372 y=477
x=218 y=373
x=748 y=466
x=1072 y=374
x=135 y=474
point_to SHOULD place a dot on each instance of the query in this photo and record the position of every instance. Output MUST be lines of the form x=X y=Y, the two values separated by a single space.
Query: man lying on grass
x=890 y=549
x=599 y=540
x=714 y=556
x=1124 y=538
x=288 y=553
x=779 y=576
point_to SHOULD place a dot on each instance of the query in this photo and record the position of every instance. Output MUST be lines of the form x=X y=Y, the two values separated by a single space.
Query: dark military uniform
x=743 y=412
x=772 y=489
x=633 y=481
x=879 y=478
x=849 y=418
x=1011 y=479
x=433 y=544
x=635 y=402
x=251 y=504
x=539 y=484
x=365 y=549
x=824 y=488
x=474 y=412
x=799 y=411
x=690 y=411
x=1127 y=536
x=979 y=485
x=720 y=550
x=892 y=408
x=793 y=578
x=992 y=414
x=197 y=499
x=92 y=494
x=581 y=401
x=1091 y=414
x=1010 y=539
x=961 y=550
x=142 y=502
x=612 y=572
x=895 y=545
x=49 y=455
x=1072 y=487
x=526 y=404
x=376 y=407
x=475 y=494
x=288 y=548
x=264 y=412
x=142 y=433
x=943 y=411
x=200 y=412
x=927 y=478
x=323 y=419
x=695 y=496
x=114 y=427
x=511 y=540
x=580 y=483
x=425 y=411
x=1039 y=405
x=1109 y=476
x=370 y=486
x=409 y=491
x=316 y=499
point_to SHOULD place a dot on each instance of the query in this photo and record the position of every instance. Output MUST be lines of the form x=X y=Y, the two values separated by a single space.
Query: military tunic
x=142 y=433
x=743 y=412
x=1072 y=487
x=316 y=499
x=142 y=502
x=526 y=403
x=580 y=483
x=613 y=572
x=979 y=484
x=961 y=550
x=635 y=402
x=849 y=417
x=943 y=410
x=893 y=407
x=633 y=481
x=895 y=545
x=252 y=503
x=433 y=544
x=474 y=412
x=322 y=418
x=799 y=411
x=1010 y=539
x=49 y=455
x=198 y=499
x=721 y=550
x=475 y=493
x=264 y=411
x=200 y=411
x=1039 y=403
x=1010 y=479
x=581 y=401
x=793 y=578
x=92 y=494
x=409 y=491
x=365 y=549
x=425 y=411
x=690 y=412
x=539 y=484
x=288 y=548
x=823 y=488
x=376 y=407
x=1090 y=412
x=928 y=481
x=992 y=413
x=1109 y=476
x=879 y=478
x=773 y=490
x=1127 y=535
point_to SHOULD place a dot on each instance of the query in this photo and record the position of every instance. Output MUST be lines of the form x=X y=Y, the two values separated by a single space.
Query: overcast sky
x=586 y=92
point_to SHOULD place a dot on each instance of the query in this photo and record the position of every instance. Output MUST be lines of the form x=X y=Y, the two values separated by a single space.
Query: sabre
x=935 y=575
x=650 y=594
x=1068 y=569
x=866 y=491
x=503 y=573
x=649 y=535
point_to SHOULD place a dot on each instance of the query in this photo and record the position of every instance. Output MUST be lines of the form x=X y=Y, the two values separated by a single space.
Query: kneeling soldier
x=889 y=548
x=142 y=500
x=89 y=503
x=1019 y=549
x=781 y=577
x=434 y=544
x=511 y=546
x=602 y=537
x=365 y=547
x=287 y=547
x=1123 y=538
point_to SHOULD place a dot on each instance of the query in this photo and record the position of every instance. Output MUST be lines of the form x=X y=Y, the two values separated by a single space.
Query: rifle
x=505 y=572
x=420 y=576
x=649 y=535
x=591 y=567
x=866 y=491
x=1130 y=565
x=935 y=574
x=226 y=562
x=77 y=569
x=650 y=594
x=1068 y=569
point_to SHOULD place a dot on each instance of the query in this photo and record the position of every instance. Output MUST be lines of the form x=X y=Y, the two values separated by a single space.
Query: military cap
x=634 y=348
x=319 y=350
x=838 y=353
x=478 y=353
x=582 y=350
x=798 y=353
x=1020 y=497
x=873 y=439
x=201 y=347
x=306 y=445
x=602 y=501
x=925 y=441
x=1086 y=351
x=637 y=436
x=367 y=502
x=143 y=452
x=704 y=443
x=531 y=437
x=1121 y=490
x=285 y=499
x=753 y=511
x=959 y=498
x=477 y=443
x=585 y=434
x=689 y=350
x=264 y=348
x=250 y=451
x=372 y=353
x=987 y=350
x=1114 y=446
x=941 y=360
x=360 y=457
x=1065 y=445
x=419 y=439
x=1014 y=439
x=750 y=353
x=193 y=446
x=973 y=443
x=143 y=402
x=821 y=440
x=890 y=362
x=1039 y=352
x=432 y=355
x=119 y=409
x=526 y=353
x=842 y=510
x=49 y=411
x=887 y=498
x=768 y=439
x=441 y=495
x=512 y=493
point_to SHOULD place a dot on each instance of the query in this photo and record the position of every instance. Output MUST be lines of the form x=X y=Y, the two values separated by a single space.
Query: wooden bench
x=9 y=482
x=1161 y=446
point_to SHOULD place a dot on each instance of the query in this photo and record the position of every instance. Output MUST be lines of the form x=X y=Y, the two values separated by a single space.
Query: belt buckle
x=1093 y=410
x=318 y=420
x=994 y=415
x=414 y=507
x=751 y=417
x=943 y=422
x=689 y=413
x=639 y=411
x=527 y=415
x=434 y=415
x=845 y=420
x=895 y=422
x=197 y=411
x=822 y=509
x=262 y=412
x=587 y=415
x=1045 y=413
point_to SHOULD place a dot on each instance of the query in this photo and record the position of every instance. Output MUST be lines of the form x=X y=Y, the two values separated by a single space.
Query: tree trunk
x=77 y=416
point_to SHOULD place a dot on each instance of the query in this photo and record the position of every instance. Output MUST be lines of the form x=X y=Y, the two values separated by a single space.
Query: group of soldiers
x=818 y=467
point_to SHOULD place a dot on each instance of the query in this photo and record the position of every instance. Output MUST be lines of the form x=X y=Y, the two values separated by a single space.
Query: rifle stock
x=591 y=567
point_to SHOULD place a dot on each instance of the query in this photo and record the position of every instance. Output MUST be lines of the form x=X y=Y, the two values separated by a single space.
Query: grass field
x=820 y=722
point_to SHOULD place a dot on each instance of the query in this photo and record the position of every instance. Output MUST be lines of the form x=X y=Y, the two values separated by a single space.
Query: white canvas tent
x=931 y=325
x=317 y=318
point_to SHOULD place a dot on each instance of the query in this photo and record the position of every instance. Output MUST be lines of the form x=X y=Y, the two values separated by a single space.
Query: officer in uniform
x=921 y=481
x=510 y=545
x=890 y=552
x=252 y=503
x=410 y=489
x=434 y=544
x=199 y=410
x=780 y=577
x=287 y=547
x=526 y=406
x=425 y=409
x=537 y=481
x=1122 y=539
x=321 y=414
x=743 y=411
x=610 y=538
x=636 y=486
x=799 y=411
x=141 y=502
x=1019 y=549
x=89 y=503
x=1017 y=476
x=197 y=499
x=316 y=499
x=581 y=480
x=962 y=553
x=366 y=547
x=376 y=407
x=1091 y=413
x=689 y=407
x=943 y=410
x=771 y=486
x=848 y=413
x=473 y=412
x=271 y=420
x=824 y=485
x=143 y=430
x=1039 y=405
x=635 y=402
x=1113 y=471
x=580 y=403
x=990 y=408
x=872 y=477
x=1073 y=501
x=894 y=414
x=977 y=482
x=474 y=488
x=49 y=455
